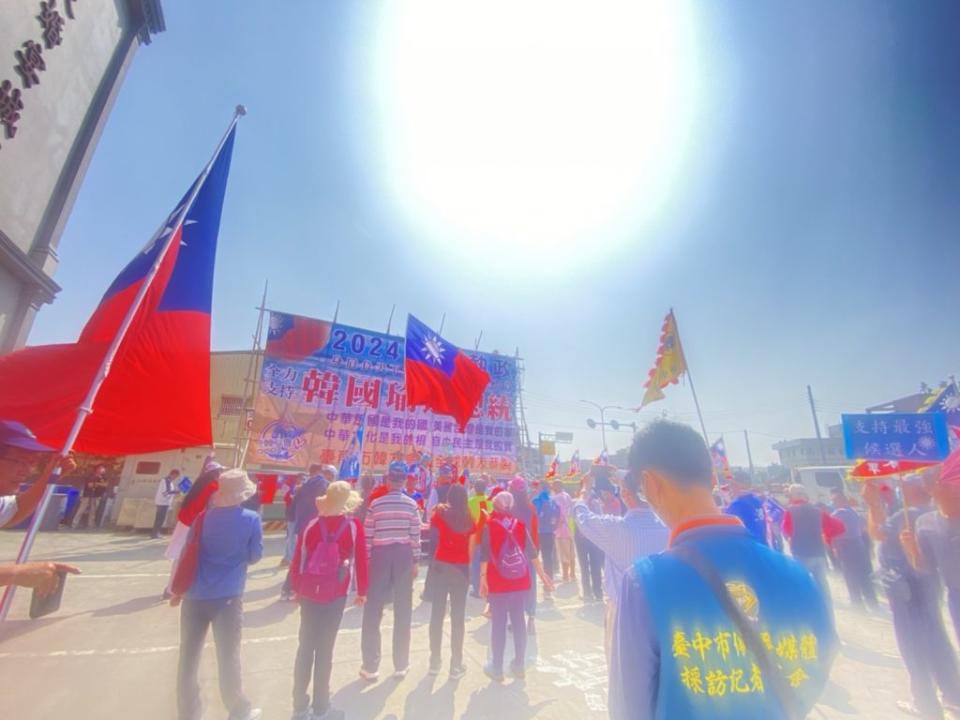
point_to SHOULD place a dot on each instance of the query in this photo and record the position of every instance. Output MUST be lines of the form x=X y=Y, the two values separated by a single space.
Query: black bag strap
x=772 y=673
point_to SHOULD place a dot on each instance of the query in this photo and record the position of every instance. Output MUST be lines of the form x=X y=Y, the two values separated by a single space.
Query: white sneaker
x=369 y=676
x=252 y=714
x=401 y=673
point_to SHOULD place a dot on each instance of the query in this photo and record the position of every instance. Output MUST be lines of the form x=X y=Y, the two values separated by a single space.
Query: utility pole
x=746 y=437
x=816 y=426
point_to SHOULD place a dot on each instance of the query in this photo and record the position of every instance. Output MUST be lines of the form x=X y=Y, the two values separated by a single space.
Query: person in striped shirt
x=392 y=530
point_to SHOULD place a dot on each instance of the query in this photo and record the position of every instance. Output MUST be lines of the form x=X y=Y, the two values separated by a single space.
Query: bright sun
x=528 y=134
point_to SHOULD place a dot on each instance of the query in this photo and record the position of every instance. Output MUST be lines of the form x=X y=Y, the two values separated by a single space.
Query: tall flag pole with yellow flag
x=668 y=368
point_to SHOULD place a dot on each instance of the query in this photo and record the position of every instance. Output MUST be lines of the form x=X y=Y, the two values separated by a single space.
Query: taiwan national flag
x=295 y=338
x=554 y=468
x=440 y=376
x=574 y=464
x=157 y=393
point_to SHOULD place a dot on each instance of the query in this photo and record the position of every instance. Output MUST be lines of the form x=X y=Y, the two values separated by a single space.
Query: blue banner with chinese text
x=920 y=437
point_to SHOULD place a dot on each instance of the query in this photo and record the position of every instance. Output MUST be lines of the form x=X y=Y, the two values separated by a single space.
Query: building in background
x=802 y=452
x=64 y=62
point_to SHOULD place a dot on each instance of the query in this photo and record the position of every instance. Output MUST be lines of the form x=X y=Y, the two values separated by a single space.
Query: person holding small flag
x=167 y=489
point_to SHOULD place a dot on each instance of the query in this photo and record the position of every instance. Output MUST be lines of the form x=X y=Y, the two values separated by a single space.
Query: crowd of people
x=717 y=600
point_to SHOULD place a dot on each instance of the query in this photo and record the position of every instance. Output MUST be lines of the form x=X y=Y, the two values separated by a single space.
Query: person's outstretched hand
x=41 y=576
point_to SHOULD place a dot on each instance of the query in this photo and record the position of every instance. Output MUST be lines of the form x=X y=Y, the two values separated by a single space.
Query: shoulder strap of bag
x=771 y=671
x=303 y=541
x=353 y=538
x=197 y=527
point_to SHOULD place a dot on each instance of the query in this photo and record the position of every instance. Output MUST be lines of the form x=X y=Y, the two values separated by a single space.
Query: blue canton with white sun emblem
x=427 y=347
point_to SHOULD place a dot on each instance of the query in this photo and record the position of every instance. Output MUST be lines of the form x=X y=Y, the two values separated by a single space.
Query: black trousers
x=852 y=557
x=319 y=623
x=196 y=617
x=591 y=567
x=449 y=581
x=158 y=520
x=548 y=551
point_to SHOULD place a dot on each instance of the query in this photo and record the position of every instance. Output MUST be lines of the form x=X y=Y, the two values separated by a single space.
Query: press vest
x=706 y=670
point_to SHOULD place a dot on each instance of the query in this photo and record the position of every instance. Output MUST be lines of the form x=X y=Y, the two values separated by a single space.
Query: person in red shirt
x=508 y=553
x=453 y=525
x=810 y=530
x=526 y=513
x=320 y=576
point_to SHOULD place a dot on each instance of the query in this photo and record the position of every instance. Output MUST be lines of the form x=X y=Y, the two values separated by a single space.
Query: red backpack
x=322 y=574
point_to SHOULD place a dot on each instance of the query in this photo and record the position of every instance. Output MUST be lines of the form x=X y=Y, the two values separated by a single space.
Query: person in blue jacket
x=678 y=653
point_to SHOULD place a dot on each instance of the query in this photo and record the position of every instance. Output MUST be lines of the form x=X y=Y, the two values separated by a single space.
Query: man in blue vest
x=719 y=626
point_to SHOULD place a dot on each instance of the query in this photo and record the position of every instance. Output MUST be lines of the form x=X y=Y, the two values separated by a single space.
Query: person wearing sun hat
x=19 y=451
x=330 y=546
x=231 y=539
x=392 y=527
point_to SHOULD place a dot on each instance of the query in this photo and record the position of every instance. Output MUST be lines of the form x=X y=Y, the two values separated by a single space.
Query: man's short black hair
x=673 y=449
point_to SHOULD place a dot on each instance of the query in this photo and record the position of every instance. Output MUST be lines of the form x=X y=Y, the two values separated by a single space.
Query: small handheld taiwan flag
x=440 y=376
x=352 y=463
x=574 y=464
x=554 y=468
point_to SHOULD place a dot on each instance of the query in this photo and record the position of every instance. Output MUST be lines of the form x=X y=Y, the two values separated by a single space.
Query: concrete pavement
x=111 y=651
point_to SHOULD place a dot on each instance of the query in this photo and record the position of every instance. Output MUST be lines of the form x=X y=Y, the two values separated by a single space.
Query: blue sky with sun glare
x=785 y=175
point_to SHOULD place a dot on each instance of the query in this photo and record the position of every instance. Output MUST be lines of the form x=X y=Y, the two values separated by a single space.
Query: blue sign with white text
x=920 y=437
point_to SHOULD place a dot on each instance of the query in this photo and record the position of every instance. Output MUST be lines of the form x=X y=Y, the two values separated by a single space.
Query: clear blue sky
x=808 y=234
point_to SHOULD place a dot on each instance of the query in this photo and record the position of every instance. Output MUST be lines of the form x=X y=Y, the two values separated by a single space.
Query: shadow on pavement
x=132 y=605
x=837 y=698
x=364 y=700
x=496 y=701
x=865 y=655
x=269 y=614
x=14 y=628
x=424 y=701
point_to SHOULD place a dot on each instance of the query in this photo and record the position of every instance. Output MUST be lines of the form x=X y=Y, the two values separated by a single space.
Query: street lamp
x=592 y=424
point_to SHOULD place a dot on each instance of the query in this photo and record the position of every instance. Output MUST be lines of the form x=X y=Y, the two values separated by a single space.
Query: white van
x=820 y=479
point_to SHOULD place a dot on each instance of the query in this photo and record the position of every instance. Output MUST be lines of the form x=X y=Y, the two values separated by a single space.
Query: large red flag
x=157 y=394
x=440 y=376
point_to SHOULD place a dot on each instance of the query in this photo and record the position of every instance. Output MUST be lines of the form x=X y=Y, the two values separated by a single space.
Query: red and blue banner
x=320 y=379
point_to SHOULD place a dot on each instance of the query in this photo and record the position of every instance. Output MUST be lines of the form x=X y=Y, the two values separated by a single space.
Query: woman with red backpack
x=451 y=577
x=320 y=576
x=508 y=554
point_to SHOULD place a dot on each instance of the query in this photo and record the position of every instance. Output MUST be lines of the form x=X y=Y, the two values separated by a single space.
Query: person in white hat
x=231 y=539
x=328 y=548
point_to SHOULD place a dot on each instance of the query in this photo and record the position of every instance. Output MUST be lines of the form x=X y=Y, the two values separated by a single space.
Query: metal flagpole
x=746 y=437
x=336 y=312
x=390 y=319
x=442 y=321
x=693 y=390
x=476 y=346
x=249 y=395
x=86 y=408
